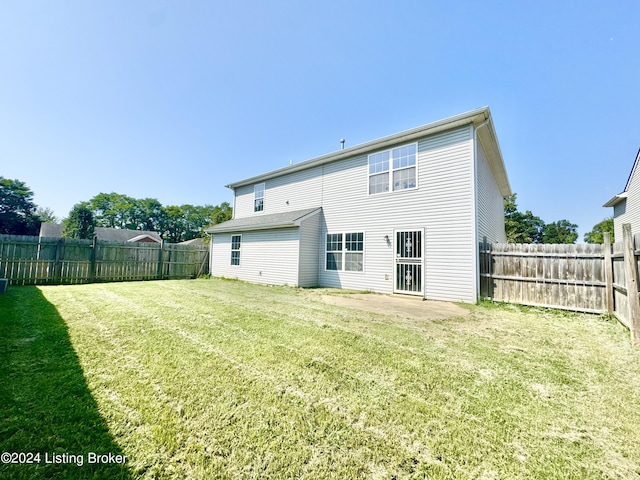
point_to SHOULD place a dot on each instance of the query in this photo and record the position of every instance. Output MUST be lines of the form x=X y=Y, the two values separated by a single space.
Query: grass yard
x=221 y=379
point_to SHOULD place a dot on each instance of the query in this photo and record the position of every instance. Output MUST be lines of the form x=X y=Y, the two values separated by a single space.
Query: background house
x=400 y=214
x=54 y=230
x=626 y=205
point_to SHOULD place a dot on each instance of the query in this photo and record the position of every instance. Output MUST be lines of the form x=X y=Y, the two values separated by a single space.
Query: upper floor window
x=393 y=169
x=258 y=197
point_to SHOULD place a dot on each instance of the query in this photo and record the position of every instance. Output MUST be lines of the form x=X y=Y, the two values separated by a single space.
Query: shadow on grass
x=46 y=407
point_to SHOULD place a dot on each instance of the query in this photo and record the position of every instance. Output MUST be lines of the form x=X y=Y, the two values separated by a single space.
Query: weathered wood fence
x=33 y=260
x=587 y=278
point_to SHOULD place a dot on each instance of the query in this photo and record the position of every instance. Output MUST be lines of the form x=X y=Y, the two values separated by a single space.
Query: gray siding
x=266 y=256
x=442 y=205
x=449 y=213
x=309 y=248
x=628 y=210
x=295 y=191
x=619 y=217
x=490 y=204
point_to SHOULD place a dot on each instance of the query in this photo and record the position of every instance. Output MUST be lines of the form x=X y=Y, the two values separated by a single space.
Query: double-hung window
x=258 y=197
x=236 y=242
x=393 y=170
x=345 y=252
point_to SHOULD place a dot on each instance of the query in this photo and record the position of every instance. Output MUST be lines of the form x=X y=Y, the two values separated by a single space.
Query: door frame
x=421 y=262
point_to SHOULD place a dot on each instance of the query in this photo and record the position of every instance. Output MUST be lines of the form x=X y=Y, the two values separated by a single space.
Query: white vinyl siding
x=442 y=204
x=628 y=210
x=268 y=256
x=490 y=203
x=295 y=191
x=619 y=217
x=310 y=245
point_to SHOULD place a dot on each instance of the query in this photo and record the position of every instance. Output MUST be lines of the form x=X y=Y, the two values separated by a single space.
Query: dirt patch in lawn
x=402 y=305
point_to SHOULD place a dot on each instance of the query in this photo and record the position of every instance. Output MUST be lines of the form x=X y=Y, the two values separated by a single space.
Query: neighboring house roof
x=54 y=230
x=476 y=117
x=264 y=222
x=616 y=199
x=194 y=241
x=144 y=238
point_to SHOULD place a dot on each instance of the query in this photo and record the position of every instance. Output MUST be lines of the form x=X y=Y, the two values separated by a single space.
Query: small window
x=345 y=252
x=393 y=170
x=236 y=241
x=258 y=197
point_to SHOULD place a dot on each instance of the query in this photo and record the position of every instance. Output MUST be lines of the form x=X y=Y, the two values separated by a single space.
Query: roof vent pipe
x=342 y=144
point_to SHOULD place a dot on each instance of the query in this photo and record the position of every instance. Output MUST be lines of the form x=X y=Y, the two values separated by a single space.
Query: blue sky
x=174 y=100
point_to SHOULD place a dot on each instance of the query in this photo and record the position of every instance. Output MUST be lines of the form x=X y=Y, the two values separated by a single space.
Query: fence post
x=608 y=272
x=489 y=259
x=204 y=260
x=631 y=276
x=92 y=260
x=57 y=265
x=160 y=259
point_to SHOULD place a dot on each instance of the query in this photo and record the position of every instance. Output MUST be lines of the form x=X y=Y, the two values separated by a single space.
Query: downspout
x=476 y=254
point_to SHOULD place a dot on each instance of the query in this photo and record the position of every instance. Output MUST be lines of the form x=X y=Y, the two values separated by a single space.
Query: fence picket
x=588 y=278
x=35 y=260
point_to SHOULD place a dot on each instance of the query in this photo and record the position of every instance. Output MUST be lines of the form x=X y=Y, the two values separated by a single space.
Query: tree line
x=176 y=223
x=19 y=215
x=525 y=227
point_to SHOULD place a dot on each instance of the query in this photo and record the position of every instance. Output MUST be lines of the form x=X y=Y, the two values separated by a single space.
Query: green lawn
x=222 y=379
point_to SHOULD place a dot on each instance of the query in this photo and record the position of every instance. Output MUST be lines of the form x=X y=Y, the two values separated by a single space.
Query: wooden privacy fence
x=33 y=260
x=595 y=278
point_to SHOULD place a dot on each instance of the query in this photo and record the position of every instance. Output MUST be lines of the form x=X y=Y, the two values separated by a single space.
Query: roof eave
x=616 y=199
x=494 y=157
x=475 y=117
x=251 y=228
x=292 y=223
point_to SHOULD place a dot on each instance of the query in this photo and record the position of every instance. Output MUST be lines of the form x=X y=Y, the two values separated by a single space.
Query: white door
x=409 y=262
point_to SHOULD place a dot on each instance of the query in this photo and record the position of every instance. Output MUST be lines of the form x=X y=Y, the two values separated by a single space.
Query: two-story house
x=401 y=214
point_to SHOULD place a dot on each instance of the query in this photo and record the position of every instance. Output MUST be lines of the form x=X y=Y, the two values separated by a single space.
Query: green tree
x=596 y=235
x=46 y=215
x=149 y=214
x=221 y=213
x=80 y=223
x=175 y=224
x=17 y=210
x=113 y=210
x=561 y=231
x=186 y=222
x=521 y=227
